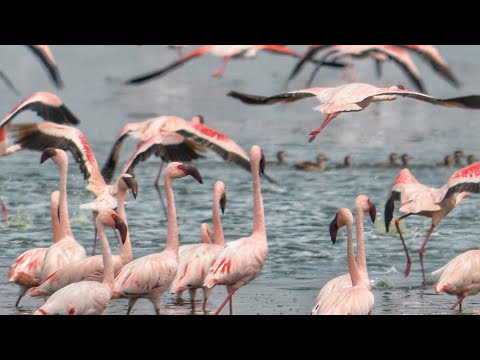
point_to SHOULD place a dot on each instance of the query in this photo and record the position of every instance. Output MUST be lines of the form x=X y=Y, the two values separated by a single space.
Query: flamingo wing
x=110 y=165
x=268 y=100
x=306 y=57
x=46 y=57
x=464 y=180
x=27 y=268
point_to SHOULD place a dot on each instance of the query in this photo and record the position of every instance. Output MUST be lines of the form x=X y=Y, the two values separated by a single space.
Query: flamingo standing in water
x=92 y=268
x=26 y=270
x=66 y=249
x=353 y=300
x=362 y=204
x=351 y=97
x=89 y=297
x=150 y=276
x=195 y=259
x=241 y=261
x=422 y=200
x=226 y=52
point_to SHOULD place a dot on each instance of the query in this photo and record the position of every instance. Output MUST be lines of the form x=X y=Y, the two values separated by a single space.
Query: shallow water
x=298 y=210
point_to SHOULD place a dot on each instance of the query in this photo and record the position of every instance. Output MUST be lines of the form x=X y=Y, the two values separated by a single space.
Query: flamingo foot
x=408 y=268
x=218 y=74
x=313 y=134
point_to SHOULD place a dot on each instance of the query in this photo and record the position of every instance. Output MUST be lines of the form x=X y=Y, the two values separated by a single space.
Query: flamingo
x=66 y=249
x=241 y=260
x=26 y=270
x=195 y=259
x=379 y=52
x=226 y=52
x=45 y=55
x=460 y=277
x=422 y=200
x=92 y=268
x=362 y=204
x=150 y=276
x=352 y=300
x=352 y=97
x=89 y=297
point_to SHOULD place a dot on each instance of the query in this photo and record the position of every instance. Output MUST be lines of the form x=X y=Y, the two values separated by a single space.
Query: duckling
x=392 y=161
x=347 y=163
x=448 y=162
x=458 y=155
x=405 y=158
x=471 y=159
x=280 y=159
x=309 y=166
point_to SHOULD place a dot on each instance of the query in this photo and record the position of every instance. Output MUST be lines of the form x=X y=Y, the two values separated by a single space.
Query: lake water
x=298 y=210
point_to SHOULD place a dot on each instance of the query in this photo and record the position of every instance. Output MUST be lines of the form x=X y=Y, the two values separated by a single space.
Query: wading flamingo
x=351 y=97
x=241 y=261
x=150 y=276
x=89 y=297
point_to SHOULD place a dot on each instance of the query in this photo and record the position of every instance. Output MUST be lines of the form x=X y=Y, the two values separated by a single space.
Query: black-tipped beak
x=193 y=172
x=223 y=202
x=262 y=164
x=132 y=185
x=121 y=227
x=334 y=229
x=47 y=154
x=372 y=211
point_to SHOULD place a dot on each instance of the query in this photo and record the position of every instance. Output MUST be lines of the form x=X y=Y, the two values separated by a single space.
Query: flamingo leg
x=230 y=303
x=458 y=302
x=206 y=295
x=179 y=298
x=328 y=118
x=420 y=252
x=229 y=296
x=18 y=301
x=131 y=303
x=221 y=69
x=409 y=261
x=4 y=209
x=193 y=293
x=157 y=186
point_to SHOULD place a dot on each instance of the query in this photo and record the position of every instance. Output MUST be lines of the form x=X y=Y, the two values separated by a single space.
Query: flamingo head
x=110 y=218
x=178 y=170
x=48 y=153
x=126 y=182
x=334 y=229
x=342 y=218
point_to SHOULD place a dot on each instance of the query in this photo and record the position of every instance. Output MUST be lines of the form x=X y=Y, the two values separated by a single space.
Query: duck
x=280 y=159
x=309 y=166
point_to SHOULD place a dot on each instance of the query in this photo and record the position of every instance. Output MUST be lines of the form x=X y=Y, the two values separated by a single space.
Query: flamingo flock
x=69 y=282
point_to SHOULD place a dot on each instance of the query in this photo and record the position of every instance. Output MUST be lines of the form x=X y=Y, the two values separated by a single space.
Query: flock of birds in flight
x=74 y=283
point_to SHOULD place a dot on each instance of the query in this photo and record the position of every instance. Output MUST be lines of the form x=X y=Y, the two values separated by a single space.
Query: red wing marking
x=210 y=132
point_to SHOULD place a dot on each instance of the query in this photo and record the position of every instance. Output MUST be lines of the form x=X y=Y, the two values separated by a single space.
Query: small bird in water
x=280 y=159
x=405 y=158
x=471 y=159
x=458 y=155
x=309 y=166
x=347 y=163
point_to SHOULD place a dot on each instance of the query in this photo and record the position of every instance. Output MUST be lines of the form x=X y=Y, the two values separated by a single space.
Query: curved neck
x=217 y=222
x=352 y=266
x=258 y=214
x=65 y=229
x=126 y=248
x=172 y=231
x=361 y=256
x=54 y=209
x=106 y=255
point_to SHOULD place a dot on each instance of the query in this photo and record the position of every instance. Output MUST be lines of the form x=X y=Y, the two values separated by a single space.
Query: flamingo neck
x=106 y=256
x=54 y=208
x=172 y=230
x=352 y=266
x=258 y=214
x=126 y=248
x=65 y=229
x=361 y=257
x=217 y=222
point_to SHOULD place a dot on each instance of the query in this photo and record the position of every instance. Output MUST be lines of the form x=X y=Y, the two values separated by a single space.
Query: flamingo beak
x=334 y=229
x=223 y=202
x=132 y=185
x=262 y=164
x=193 y=172
x=373 y=211
x=47 y=154
x=121 y=227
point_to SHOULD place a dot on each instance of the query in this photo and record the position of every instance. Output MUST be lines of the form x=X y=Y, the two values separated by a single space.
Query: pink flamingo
x=89 y=297
x=26 y=270
x=352 y=97
x=354 y=300
x=226 y=52
x=66 y=249
x=45 y=55
x=460 y=277
x=241 y=260
x=150 y=276
x=434 y=203
x=91 y=268
x=380 y=53
x=195 y=259
x=362 y=204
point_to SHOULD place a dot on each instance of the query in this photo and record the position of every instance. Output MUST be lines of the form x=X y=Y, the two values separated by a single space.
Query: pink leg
x=221 y=69
x=458 y=302
x=315 y=132
x=193 y=293
x=229 y=296
x=131 y=303
x=409 y=261
x=420 y=252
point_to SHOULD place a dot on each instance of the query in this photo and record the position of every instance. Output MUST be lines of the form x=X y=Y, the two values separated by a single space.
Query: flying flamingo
x=241 y=260
x=91 y=268
x=352 y=97
x=89 y=297
x=45 y=55
x=362 y=204
x=195 y=259
x=226 y=52
x=26 y=270
x=150 y=276
x=66 y=249
x=354 y=300
x=434 y=203
x=379 y=52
